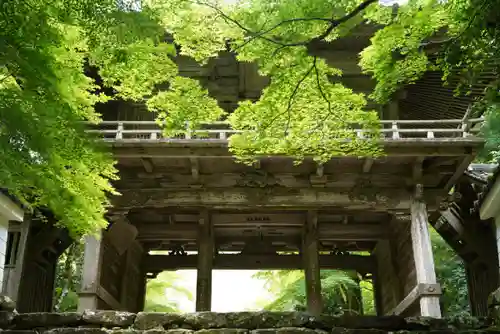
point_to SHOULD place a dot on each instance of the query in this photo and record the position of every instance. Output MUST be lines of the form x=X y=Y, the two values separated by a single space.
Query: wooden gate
x=45 y=243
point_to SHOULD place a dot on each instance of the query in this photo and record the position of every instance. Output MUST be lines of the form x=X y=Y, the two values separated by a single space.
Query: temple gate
x=186 y=199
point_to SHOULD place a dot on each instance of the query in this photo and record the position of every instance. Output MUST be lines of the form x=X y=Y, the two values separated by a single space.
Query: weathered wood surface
x=111 y=280
x=356 y=199
x=420 y=291
x=310 y=258
x=422 y=253
x=44 y=244
x=325 y=232
x=136 y=180
x=389 y=290
x=91 y=273
x=132 y=291
x=135 y=149
x=157 y=263
x=474 y=241
x=205 y=260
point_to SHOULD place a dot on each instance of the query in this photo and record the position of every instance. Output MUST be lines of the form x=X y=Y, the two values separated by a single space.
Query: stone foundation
x=111 y=322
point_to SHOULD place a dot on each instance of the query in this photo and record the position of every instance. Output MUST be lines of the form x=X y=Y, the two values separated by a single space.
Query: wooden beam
x=158 y=263
x=279 y=244
x=459 y=172
x=270 y=218
x=310 y=258
x=205 y=264
x=421 y=290
x=148 y=165
x=264 y=218
x=273 y=197
x=344 y=177
x=422 y=253
x=335 y=232
x=174 y=149
x=108 y=298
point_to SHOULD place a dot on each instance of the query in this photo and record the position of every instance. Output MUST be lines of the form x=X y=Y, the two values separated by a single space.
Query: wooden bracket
x=459 y=172
x=421 y=290
x=148 y=165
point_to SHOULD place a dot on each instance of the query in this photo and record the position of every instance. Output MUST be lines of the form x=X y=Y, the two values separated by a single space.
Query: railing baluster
x=188 y=131
x=412 y=129
x=395 y=132
x=119 y=132
x=465 y=128
x=464 y=125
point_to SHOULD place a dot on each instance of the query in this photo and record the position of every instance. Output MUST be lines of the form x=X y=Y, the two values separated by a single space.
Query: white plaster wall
x=497 y=231
x=4 y=227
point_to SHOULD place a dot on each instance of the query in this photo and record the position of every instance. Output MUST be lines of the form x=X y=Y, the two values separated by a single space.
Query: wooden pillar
x=311 y=264
x=205 y=264
x=91 y=273
x=377 y=294
x=141 y=301
x=422 y=253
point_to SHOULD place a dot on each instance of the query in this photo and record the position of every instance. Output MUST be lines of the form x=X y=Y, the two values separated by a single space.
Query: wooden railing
x=391 y=130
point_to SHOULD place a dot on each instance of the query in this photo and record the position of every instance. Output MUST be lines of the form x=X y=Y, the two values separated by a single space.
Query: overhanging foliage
x=49 y=161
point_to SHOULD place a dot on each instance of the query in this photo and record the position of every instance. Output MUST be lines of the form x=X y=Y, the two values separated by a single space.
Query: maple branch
x=320 y=88
x=335 y=23
x=254 y=35
x=290 y=100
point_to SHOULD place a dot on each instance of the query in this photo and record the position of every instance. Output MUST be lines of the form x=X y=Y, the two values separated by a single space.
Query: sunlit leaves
x=161 y=293
x=48 y=159
x=395 y=57
x=289 y=291
x=184 y=107
x=200 y=31
x=134 y=70
x=302 y=113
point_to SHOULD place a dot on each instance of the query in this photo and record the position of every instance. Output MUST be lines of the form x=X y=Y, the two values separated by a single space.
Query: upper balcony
x=443 y=137
x=428 y=136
